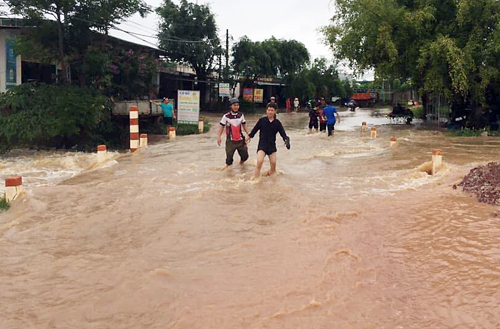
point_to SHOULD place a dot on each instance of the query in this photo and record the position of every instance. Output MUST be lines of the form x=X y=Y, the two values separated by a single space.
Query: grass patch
x=4 y=205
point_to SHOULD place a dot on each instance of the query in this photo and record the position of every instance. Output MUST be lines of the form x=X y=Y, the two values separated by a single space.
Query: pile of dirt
x=484 y=183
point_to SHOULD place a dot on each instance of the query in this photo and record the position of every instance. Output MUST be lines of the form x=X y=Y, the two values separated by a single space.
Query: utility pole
x=226 y=75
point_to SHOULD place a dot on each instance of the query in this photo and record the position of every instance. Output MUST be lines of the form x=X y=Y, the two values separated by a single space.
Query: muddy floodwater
x=350 y=233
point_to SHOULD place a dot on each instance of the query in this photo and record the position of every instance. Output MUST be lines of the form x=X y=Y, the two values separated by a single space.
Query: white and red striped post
x=134 y=128
x=363 y=127
x=171 y=132
x=373 y=133
x=101 y=153
x=393 y=141
x=13 y=187
x=437 y=160
x=144 y=140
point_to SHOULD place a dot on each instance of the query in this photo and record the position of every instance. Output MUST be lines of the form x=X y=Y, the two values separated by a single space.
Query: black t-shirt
x=268 y=131
x=313 y=115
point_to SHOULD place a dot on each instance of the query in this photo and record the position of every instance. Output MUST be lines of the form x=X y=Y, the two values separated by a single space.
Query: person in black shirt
x=313 y=118
x=269 y=127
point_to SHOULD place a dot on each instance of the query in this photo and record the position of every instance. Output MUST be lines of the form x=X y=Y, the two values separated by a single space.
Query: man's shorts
x=313 y=124
x=268 y=149
x=169 y=121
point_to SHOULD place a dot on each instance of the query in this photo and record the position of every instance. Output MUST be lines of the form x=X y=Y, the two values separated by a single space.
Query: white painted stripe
x=134 y=144
x=134 y=115
x=134 y=129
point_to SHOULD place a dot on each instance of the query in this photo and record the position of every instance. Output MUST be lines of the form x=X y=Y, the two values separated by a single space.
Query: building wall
x=6 y=34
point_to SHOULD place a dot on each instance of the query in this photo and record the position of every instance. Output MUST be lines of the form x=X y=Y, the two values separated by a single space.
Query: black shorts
x=268 y=149
x=322 y=126
x=313 y=124
x=169 y=121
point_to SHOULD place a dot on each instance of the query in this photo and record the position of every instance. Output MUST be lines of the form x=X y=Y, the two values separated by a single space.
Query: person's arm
x=155 y=103
x=221 y=129
x=244 y=124
x=254 y=131
x=338 y=116
x=245 y=128
x=282 y=132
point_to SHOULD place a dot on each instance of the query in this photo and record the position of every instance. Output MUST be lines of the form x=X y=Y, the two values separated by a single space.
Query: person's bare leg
x=260 y=161
x=272 y=161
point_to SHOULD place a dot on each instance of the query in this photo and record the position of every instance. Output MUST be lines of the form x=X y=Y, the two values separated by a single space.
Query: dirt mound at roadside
x=484 y=183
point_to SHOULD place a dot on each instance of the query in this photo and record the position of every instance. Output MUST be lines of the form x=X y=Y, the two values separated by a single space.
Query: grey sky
x=258 y=19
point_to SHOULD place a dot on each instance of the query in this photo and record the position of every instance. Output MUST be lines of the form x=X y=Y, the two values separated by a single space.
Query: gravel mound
x=484 y=183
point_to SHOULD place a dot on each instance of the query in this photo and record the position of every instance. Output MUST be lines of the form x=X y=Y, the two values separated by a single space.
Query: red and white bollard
x=437 y=160
x=373 y=133
x=393 y=141
x=363 y=127
x=144 y=140
x=134 y=128
x=171 y=132
x=13 y=187
x=101 y=153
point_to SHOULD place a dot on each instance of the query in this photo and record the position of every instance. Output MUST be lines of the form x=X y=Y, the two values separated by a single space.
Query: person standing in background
x=168 y=111
x=296 y=104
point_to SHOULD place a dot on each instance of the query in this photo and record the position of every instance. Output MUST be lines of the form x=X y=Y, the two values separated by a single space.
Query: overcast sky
x=257 y=19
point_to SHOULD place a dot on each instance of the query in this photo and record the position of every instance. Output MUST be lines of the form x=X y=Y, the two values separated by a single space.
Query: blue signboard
x=11 y=64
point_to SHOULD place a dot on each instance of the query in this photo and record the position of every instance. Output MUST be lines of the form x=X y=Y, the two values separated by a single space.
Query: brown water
x=349 y=234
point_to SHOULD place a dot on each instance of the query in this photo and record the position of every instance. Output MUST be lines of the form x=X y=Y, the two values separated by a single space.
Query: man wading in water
x=233 y=121
x=269 y=126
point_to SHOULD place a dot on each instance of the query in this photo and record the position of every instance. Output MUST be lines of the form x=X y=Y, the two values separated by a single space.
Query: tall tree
x=441 y=46
x=188 y=34
x=38 y=10
x=268 y=58
x=73 y=21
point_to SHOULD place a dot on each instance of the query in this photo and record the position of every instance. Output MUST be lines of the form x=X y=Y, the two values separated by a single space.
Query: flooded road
x=351 y=233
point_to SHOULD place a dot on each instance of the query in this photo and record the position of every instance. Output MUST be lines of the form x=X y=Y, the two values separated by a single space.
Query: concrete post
x=144 y=140
x=101 y=153
x=200 y=126
x=171 y=132
x=373 y=133
x=363 y=127
x=134 y=128
x=393 y=141
x=437 y=160
x=13 y=187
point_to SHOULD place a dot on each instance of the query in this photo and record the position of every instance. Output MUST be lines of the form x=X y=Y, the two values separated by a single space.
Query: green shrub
x=59 y=116
x=467 y=132
x=4 y=205
x=206 y=124
x=418 y=112
x=187 y=129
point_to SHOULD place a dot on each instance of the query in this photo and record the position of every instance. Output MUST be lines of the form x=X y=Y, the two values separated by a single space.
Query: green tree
x=188 y=34
x=254 y=59
x=74 y=22
x=38 y=10
x=440 y=46
x=268 y=58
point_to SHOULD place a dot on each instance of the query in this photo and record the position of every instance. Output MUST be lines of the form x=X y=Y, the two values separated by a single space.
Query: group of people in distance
x=323 y=115
x=234 y=123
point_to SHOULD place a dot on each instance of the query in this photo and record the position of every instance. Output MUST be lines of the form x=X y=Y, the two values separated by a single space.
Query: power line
x=138 y=34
